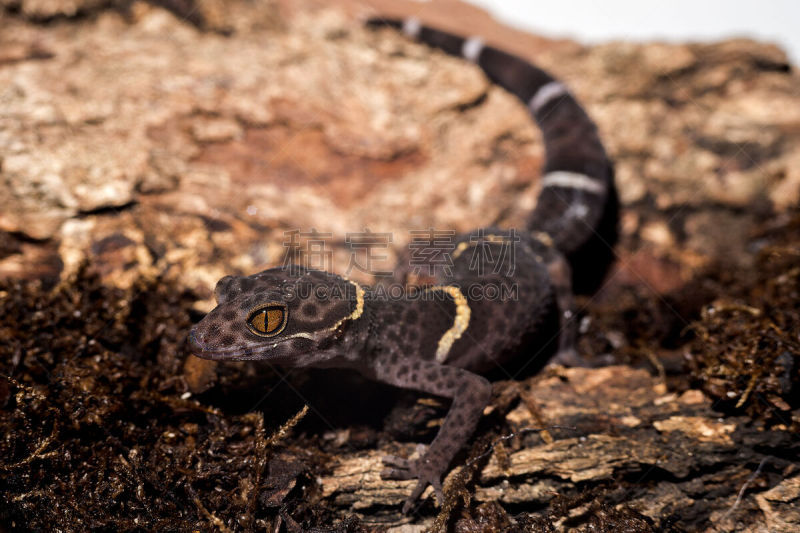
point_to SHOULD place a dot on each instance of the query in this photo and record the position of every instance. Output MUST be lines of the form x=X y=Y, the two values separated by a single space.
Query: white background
x=591 y=21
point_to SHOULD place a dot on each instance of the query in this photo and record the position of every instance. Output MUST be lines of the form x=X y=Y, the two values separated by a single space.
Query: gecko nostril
x=195 y=339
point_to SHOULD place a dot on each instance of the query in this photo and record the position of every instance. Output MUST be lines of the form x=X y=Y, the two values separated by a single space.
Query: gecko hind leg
x=567 y=355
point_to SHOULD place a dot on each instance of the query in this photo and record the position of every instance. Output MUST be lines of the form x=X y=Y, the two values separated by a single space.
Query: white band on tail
x=546 y=92
x=472 y=48
x=573 y=180
x=412 y=27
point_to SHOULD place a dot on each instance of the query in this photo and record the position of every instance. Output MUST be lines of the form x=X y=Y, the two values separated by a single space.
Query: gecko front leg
x=470 y=394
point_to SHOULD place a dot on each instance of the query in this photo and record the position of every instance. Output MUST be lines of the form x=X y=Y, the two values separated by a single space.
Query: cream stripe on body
x=460 y=321
x=573 y=180
x=352 y=316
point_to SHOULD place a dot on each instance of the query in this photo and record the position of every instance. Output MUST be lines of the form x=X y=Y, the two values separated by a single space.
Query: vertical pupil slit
x=258 y=322
x=268 y=320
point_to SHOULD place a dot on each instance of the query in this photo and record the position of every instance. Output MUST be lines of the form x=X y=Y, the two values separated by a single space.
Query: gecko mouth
x=231 y=353
x=199 y=349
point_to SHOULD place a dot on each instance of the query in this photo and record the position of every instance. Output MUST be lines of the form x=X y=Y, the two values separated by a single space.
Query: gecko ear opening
x=268 y=320
x=225 y=289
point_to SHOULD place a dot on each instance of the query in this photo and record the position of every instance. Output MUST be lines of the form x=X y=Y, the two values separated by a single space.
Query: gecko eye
x=268 y=320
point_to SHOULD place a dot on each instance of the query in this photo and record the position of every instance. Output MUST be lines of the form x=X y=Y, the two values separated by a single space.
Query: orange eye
x=268 y=320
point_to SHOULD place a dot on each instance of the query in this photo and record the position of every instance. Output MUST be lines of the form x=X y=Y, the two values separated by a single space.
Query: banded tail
x=578 y=205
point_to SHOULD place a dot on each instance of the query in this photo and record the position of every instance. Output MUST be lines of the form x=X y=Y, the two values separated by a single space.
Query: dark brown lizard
x=439 y=339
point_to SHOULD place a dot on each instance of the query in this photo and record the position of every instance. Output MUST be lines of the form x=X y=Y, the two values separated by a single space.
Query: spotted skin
x=440 y=339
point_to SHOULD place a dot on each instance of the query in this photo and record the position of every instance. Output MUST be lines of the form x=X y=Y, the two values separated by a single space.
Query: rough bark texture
x=147 y=149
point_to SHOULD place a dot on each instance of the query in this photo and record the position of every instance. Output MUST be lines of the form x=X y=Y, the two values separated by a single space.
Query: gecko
x=442 y=338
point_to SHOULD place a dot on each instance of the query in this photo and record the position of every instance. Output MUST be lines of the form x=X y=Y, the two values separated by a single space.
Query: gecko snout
x=195 y=341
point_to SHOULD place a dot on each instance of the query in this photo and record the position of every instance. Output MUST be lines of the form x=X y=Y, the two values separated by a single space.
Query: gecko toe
x=415 y=494
x=572 y=358
x=397 y=473
x=397 y=462
x=398 y=468
x=437 y=489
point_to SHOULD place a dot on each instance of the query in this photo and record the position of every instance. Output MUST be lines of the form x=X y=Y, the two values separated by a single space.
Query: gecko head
x=287 y=315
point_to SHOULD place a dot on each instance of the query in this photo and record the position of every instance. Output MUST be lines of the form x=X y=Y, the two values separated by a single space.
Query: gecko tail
x=578 y=204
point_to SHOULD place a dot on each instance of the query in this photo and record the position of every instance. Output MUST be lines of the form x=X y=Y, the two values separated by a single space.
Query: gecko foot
x=570 y=357
x=401 y=468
